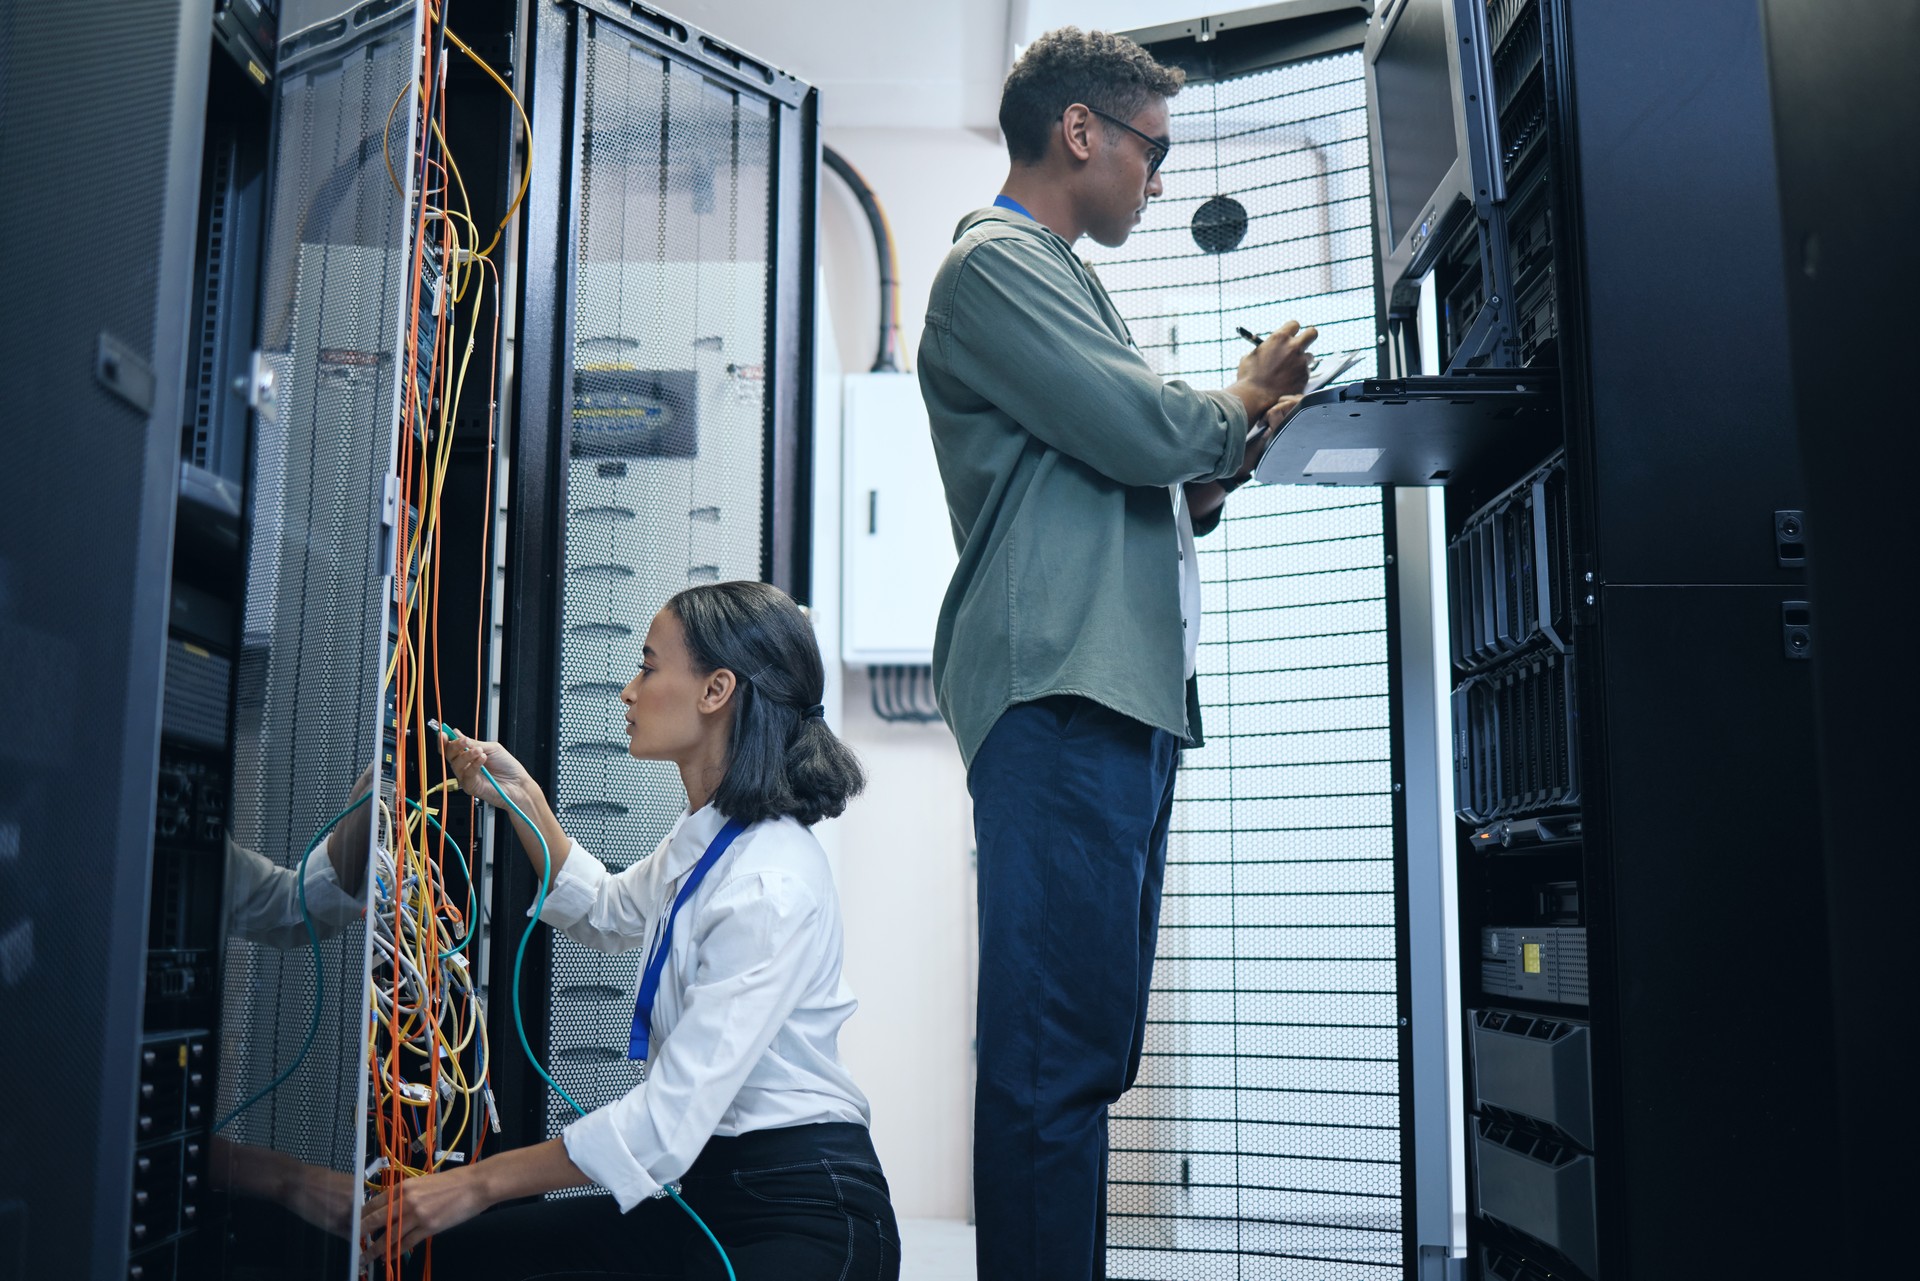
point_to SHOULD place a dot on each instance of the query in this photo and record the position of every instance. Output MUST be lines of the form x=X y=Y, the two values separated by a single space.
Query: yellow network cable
x=525 y=125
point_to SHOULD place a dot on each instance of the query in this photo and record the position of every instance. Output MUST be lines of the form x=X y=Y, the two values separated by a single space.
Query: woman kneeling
x=744 y=1109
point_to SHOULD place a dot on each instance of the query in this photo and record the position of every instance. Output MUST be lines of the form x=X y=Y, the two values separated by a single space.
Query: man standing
x=1064 y=657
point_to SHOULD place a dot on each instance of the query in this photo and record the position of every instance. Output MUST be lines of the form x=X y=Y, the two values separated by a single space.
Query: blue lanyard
x=650 y=977
x=1008 y=202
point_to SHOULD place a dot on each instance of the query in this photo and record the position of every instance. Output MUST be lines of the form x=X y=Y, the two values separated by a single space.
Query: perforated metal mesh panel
x=667 y=460
x=308 y=707
x=1263 y=1138
x=86 y=499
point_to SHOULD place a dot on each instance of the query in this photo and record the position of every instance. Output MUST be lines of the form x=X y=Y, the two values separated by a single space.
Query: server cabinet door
x=100 y=139
x=334 y=338
x=1713 y=1077
x=665 y=358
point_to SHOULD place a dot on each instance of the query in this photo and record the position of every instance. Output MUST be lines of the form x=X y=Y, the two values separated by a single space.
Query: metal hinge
x=389 y=521
x=1586 y=590
x=259 y=389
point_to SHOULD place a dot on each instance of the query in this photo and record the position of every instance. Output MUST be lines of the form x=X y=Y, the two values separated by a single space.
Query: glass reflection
x=310 y=703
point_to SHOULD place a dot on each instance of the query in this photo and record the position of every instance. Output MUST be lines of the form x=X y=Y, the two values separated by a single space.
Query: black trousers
x=1071 y=807
x=806 y=1203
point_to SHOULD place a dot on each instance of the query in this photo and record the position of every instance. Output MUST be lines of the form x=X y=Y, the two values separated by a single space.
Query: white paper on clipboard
x=1328 y=370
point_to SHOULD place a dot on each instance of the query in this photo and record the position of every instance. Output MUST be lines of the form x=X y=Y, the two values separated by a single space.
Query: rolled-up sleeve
x=263 y=898
x=606 y=911
x=1025 y=335
x=757 y=943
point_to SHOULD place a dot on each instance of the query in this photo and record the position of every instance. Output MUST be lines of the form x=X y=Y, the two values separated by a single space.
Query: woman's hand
x=323 y=1197
x=540 y=833
x=347 y=849
x=421 y=1207
x=435 y=1202
x=466 y=757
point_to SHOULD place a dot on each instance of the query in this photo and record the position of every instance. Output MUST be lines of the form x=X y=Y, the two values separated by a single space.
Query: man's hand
x=421 y=1207
x=1261 y=435
x=1280 y=363
x=1204 y=498
x=1275 y=369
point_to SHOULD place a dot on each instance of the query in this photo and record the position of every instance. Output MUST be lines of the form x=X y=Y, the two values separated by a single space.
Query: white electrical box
x=896 y=539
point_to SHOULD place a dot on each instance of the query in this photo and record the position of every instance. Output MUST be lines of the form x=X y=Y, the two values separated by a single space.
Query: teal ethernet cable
x=519 y=1025
x=539 y=904
x=313 y=941
x=319 y=970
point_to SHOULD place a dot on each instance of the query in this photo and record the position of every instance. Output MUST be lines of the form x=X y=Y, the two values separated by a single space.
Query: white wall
x=905 y=849
x=927 y=180
x=909 y=64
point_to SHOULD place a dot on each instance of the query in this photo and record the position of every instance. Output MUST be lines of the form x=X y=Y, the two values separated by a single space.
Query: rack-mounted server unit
x=1643 y=566
x=1629 y=620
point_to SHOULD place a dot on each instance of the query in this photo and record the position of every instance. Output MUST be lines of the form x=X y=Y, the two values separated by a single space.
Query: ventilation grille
x=1263 y=1137
x=666 y=473
x=307 y=715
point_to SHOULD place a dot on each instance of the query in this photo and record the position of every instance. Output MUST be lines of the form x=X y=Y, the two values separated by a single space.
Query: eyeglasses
x=1156 y=149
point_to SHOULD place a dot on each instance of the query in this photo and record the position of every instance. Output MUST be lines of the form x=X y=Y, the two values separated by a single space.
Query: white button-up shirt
x=1189 y=579
x=263 y=898
x=746 y=1023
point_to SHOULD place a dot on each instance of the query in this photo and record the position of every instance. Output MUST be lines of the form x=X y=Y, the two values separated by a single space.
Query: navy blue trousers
x=1071 y=803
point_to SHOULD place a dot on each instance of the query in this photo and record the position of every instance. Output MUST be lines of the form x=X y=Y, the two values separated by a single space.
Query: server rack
x=1632 y=710
x=1632 y=733
x=1843 y=98
x=97 y=300
x=661 y=438
x=165 y=579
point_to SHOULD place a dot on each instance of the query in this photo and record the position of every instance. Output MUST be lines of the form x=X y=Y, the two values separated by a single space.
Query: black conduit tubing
x=883 y=246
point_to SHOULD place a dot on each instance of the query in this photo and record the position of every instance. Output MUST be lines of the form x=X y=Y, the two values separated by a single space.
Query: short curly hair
x=1068 y=65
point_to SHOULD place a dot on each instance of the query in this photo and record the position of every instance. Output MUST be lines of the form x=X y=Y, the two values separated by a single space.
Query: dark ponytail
x=782 y=760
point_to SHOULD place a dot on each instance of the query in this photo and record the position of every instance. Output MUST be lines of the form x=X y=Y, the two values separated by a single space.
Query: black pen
x=1256 y=340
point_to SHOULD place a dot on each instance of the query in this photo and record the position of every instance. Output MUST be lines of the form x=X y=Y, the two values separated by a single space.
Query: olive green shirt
x=1056 y=443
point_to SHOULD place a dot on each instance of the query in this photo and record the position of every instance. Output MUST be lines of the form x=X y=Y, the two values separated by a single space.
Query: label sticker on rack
x=1341 y=462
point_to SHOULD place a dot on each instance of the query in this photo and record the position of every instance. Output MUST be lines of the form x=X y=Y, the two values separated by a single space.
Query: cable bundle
x=423 y=989
x=428 y=1055
x=428 y=1052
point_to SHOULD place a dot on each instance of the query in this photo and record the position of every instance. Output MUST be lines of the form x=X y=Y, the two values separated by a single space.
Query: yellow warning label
x=254 y=69
x=183 y=1054
x=1530 y=957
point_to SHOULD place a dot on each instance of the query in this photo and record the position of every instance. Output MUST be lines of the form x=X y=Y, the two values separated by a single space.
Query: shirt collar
x=690 y=839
